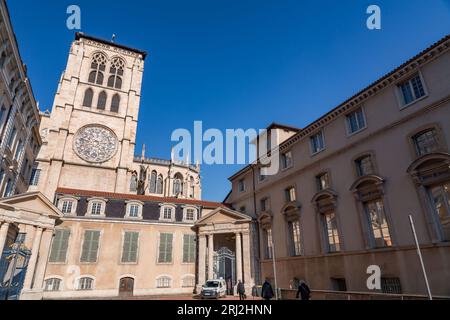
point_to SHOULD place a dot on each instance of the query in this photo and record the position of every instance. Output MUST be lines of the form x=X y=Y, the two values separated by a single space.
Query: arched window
x=153 y=178
x=115 y=103
x=86 y=283
x=98 y=66
x=101 y=104
x=160 y=185
x=116 y=72
x=163 y=282
x=88 y=95
x=178 y=184
x=133 y=183
x=52 y=284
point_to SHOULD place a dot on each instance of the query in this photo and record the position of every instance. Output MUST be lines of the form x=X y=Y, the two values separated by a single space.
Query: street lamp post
x=274 y=269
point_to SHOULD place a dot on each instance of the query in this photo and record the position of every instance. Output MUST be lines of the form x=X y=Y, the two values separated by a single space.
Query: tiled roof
x=125 y=196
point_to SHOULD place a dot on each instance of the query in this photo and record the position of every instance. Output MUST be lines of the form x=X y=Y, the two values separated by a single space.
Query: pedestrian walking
x=241 y=290
x=303 y=291
x=267 y=291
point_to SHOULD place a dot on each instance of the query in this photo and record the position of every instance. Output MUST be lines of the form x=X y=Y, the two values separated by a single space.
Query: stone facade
x=342 y=199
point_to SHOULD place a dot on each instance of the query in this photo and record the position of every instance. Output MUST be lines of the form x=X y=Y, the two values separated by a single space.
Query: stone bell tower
x=90 y=135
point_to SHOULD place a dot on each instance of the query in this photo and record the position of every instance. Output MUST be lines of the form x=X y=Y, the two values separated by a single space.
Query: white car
x=214 y=289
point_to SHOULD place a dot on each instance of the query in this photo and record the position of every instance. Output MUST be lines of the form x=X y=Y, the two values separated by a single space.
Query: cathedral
x=118 y=224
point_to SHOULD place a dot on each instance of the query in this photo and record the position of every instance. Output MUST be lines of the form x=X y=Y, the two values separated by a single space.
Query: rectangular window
x=286 y=160
x=163 y=282
x=379 y=228
x=86 y=284
x=317 y=142
x=134 y=211
x=9 y=189
x=12 y=137
x=440 y=196
x=19 y=150
x=52 y=285
x=167 y=214
x=35 y=175
x=339 y=284
x=130 y=247
x=91 y=244
x=323 y=181
x=364 y=166
x=269 y=244
x=189 y=248
x=241 y=185
x=356 y=121
x=296 y=244
x=290 y=195
x=426 y=142
x=67 y=207
x=165 y=248
x=331 y=232
x=412 y=90
x=60 y=244
x=190 y=214
x=96 y=209
x=264 y=203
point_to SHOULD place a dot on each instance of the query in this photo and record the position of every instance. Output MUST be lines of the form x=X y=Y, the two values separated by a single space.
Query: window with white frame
x=356 y=121
x=134 y=210
x=167 y=213
x=52 y=285
x=190 y=214
x=96 y=207
x=35 y=175
x=163 y=282
x=287 y=160
x=411 y=90
x=317 y=142
x=86 y=283
x=67 y=205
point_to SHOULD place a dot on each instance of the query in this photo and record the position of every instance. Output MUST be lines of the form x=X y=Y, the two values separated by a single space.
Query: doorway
x=126 y=287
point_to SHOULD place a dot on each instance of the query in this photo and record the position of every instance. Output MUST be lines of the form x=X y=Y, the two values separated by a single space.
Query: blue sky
x=233 y=64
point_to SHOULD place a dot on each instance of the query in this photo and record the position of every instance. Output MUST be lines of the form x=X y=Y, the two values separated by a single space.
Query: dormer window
x=134 y=209
x=96 y=207
x=167 y=213
x=189 y=214
x=68 y=205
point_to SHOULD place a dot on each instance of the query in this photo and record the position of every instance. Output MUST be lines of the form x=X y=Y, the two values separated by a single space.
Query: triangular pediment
x=33 y=202
x=223 y=215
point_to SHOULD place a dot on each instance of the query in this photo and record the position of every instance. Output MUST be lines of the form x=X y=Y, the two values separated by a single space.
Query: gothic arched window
x=115 y=103
x=88 y=95
x=178 y=184
x=159 y=185
x=116 y=73
x=192 y=187
x=153 y=178
x=133 y=183
x=98 y=66
x=101 y=104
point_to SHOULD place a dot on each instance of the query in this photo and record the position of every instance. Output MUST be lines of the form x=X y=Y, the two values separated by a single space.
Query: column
x=3 y=234
x=33 y=259
x=210 y=257
x=43 y=259
x=247 y=257
x=201 y=260
x=238 y=258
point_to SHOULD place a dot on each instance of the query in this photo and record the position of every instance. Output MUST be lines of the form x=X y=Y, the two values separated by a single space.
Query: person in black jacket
x=241 y=290
x=303 y=291
x=267 y=291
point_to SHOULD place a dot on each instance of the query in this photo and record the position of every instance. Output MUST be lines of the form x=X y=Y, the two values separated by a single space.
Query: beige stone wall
x=108 y=270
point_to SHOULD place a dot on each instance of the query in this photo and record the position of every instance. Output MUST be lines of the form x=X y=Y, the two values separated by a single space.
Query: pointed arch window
x=178 y=184
x=133 y=183
x=159 y=185
x=101 y=104
x=192 y=185
x=88 y=95
x=116 y=73
x=98 y=66
x=153 y=178
x=115 y=103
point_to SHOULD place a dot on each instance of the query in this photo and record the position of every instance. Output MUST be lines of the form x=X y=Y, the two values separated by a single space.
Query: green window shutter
x=130 y=245
x=90 y=246
x=59 y=246
x=189 y=248
x=165 y=248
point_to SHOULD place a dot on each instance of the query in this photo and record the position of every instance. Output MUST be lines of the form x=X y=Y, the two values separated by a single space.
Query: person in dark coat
x=267 y=291
x=303 y=291
x=241 y=290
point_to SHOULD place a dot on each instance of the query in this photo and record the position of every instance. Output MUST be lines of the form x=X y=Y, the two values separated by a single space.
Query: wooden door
x=126 y=287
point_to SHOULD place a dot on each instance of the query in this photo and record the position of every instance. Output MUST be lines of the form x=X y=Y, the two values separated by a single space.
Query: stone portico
x=224 y=248
x=33 y=215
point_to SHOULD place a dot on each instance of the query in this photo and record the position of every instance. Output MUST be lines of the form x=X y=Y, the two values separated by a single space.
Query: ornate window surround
x=161 y=212
x=443 y=146
x=103 y=201
x=370 y=188
x=74 y=201
x=373 y=158
x=140 y=205
x=185 y=209
x=292 y=213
